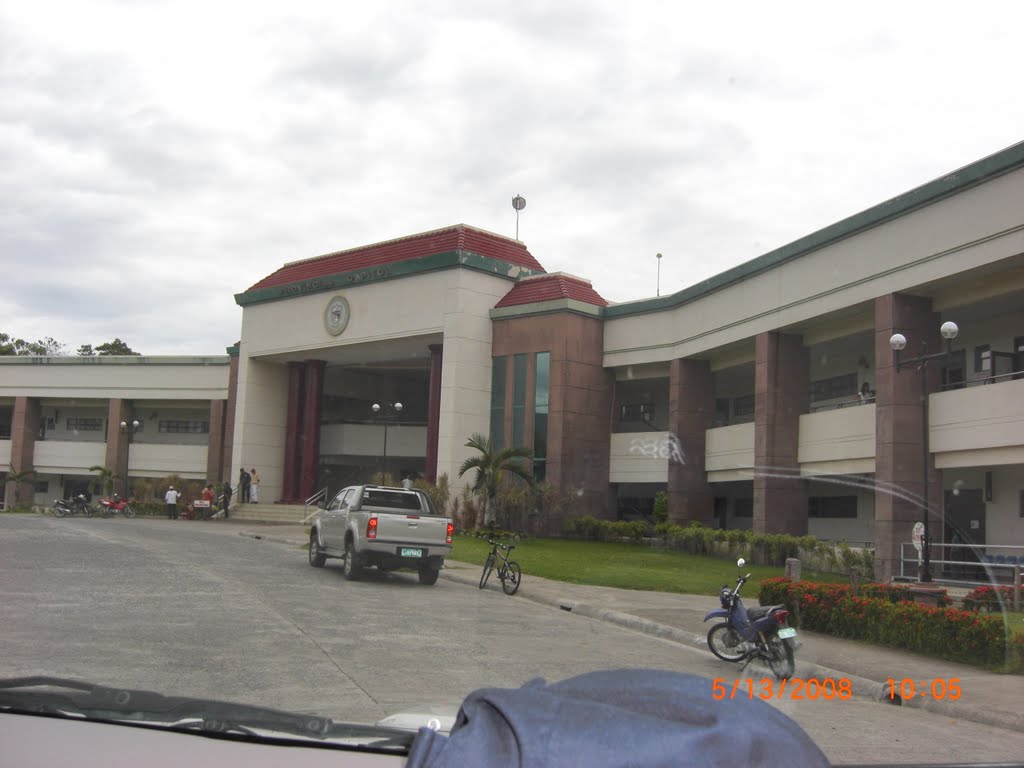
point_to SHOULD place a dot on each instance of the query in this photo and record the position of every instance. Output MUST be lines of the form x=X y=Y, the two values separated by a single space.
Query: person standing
x=171 y=500
x=227 y=497
x=208 y=498
x=244 y=479
x=254 y=487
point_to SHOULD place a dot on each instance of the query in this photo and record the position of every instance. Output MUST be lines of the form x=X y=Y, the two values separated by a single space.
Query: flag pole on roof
x=518 y=202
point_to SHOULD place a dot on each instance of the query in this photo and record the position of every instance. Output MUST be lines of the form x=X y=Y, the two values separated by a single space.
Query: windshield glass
x=600 y=299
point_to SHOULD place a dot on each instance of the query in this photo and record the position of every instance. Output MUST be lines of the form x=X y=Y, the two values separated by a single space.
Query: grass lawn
x=628 y=566
x=1016 y=622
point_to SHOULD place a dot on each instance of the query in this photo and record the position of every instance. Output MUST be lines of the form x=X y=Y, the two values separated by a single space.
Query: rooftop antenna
x=658 y=256
x=518 y=202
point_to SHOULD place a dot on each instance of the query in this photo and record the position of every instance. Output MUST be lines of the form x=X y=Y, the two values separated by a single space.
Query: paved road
x=196 y=609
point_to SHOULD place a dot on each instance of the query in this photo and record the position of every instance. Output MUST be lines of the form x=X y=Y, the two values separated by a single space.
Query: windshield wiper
x=76 y=698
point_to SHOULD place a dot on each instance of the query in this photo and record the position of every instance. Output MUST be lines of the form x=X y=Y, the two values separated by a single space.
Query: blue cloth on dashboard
x=615 y=718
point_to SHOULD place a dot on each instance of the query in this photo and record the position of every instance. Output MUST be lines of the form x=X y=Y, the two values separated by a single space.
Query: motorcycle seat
x=760 y=612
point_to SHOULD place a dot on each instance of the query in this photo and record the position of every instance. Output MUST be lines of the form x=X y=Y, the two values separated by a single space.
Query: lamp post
x=658 y=257
x=377 y=408
x=898 y=342
x=130 y=430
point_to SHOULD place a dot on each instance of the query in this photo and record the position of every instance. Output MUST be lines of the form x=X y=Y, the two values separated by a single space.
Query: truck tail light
x=371 y=528
x=448 y=536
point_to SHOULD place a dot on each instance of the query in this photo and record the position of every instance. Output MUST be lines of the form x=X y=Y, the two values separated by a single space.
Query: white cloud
x=172 y=153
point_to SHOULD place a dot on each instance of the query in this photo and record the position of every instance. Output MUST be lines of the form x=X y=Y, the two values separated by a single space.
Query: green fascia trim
x=117 y=360
x=546 y=308
x=988 y=168
x=233 y=351
x=389 y=271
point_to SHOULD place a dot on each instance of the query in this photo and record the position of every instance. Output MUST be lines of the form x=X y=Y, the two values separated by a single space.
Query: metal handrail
x=322 y=493
x=991 y=569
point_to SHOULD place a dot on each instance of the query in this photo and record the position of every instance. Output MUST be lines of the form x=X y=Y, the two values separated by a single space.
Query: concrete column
x=433 y=410
x=781 y=395
x=899 y=439
x=293 y=434
x=24 y=429
x=311 y=427
x=117 y=443
x=215 y=442
x=691 y=398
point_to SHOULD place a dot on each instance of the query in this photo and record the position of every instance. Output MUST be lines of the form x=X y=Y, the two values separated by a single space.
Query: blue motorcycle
x=757 y=633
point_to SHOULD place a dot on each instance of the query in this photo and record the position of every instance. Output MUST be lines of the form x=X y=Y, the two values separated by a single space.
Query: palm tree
x=18 y=478
x=491 y=466
x=106 y=478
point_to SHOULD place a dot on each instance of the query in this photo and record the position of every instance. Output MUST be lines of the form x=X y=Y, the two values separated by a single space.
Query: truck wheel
x=317 y=558
x=428 y=575
x=353 y=569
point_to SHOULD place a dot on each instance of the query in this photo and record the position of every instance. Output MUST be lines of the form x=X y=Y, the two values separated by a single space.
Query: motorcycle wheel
x=780 y=658
x=128 y=511
x=59 y=511
x=726 y=643
x=104 y=511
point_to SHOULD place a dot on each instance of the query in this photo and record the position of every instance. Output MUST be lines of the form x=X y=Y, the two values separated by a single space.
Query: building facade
x=767 y=397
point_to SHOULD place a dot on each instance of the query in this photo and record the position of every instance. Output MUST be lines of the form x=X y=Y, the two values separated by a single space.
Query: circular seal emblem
x=336 y=316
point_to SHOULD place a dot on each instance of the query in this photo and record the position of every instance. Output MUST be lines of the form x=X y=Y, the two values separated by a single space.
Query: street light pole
x=130 y=430
x=898 y=343
x=658 y=257
x=377 y=408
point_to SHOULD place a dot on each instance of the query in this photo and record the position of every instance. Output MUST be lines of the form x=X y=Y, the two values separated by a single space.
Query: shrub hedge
x=884 y=615
x=989 y=598
x=588 y=527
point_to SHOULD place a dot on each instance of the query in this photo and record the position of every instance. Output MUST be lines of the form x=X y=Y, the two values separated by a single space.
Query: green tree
x=86 y=350
x=47 y=347
x=18 y=478
x=115 y=347
x=491 y=467
x=105 y=477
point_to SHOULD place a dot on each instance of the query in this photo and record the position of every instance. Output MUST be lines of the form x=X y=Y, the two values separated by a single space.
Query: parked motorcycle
x=116 y=505
x=76 y=506
x=755 y=633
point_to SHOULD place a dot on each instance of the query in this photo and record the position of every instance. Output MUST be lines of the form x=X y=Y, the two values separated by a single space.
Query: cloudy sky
x=158 y=157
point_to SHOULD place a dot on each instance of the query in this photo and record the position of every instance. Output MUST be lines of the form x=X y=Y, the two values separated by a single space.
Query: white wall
x=630 y=459
x=368 y=440
x=729 y=452
x=838 y=442
x=984 y=417
x=69 y=457
x=260 y=420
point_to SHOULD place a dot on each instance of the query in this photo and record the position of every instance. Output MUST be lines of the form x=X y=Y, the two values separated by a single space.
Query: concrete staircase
x=270 y=513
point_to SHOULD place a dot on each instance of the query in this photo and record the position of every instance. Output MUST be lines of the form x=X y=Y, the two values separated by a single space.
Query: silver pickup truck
x=390 y=528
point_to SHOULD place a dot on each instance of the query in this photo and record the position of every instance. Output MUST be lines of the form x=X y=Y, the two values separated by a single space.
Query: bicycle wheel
x=129 y=511
x=510 y=577
x=488 y=567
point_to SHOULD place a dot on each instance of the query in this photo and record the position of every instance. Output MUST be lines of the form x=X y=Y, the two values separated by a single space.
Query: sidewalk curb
x=873 y=690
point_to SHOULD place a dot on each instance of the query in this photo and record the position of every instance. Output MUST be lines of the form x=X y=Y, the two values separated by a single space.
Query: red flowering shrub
x=879 y=615
x=988 y=598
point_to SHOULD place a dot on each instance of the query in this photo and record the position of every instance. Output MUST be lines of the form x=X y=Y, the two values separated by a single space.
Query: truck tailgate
x=428 y=530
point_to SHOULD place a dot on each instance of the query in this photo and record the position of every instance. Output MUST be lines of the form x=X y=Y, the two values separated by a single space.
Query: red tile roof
x=557 y=285
x=457 y=238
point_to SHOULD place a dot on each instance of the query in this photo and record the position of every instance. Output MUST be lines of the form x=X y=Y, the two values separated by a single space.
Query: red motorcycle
x=114 y=506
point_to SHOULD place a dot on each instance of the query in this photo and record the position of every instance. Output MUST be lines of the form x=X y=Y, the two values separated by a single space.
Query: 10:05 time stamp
x=814 y=689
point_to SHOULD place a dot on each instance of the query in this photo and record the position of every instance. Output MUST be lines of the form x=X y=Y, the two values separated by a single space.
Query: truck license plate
x=411 y=552
x=787 y=632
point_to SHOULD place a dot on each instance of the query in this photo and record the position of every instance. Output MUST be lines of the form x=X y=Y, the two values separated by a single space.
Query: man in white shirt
x=171 y=499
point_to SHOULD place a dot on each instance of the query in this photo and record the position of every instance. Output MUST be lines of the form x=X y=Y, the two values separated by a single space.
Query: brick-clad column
x=229 y=417
x=24 y=429
x=434 y=410
x=781 y=394
x=311 y=427
x=899 y=446
x=293 y=434
x=117 y=443
x=691 y=405
x=215 y=442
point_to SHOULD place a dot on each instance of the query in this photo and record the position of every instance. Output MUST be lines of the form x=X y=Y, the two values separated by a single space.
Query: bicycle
x=509 y=572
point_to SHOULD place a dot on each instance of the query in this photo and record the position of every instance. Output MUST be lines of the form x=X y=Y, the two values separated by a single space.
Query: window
x=982 y=358
x=832 y=506
x=184 y=426
x=541 y=389
x=518 y=400
x=954 y=372
x=743 y=508
x=42 y=486
x=498 y=368
x=835 y=387
x=637 y=412
x=79 y=424
x=721 y=411
x=743 y=407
